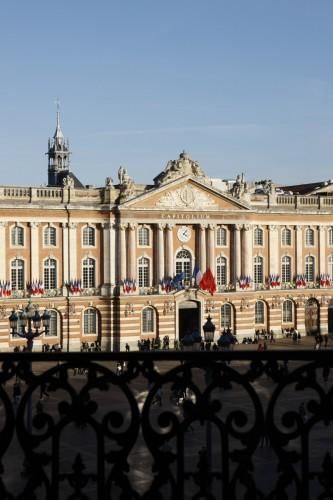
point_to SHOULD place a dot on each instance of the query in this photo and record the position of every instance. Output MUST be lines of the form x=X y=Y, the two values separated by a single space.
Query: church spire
x=58 y=155
x=58 y=135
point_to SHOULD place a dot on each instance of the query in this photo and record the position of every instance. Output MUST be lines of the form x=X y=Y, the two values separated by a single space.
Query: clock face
x=184 y=233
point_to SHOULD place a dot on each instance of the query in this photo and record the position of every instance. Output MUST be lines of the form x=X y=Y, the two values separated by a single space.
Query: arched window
x=330 y=237
x=88 y=278
x=50 y=274
x=309 y=237
x=17 y=274
x=226 y=316
x=143 y=272
x=286 y=269
x=287 y=311
x=17 y=236
x=184 y=264
x=90 y=321
x=88 y=236
x=221 y=236
x=53 y=328
x=330 y=267
x=148 y=320
x=286 y=237
x=259 y=312
x=258 y=237
x=258 y=271
x=143 y=236
x=221 y=271
x=50 y=236
x=310 y=268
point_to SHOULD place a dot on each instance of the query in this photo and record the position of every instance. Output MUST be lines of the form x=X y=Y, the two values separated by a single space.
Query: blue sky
x=241 y=85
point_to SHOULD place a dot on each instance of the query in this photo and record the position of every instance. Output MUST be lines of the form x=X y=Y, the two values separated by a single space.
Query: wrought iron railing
x=171 y=425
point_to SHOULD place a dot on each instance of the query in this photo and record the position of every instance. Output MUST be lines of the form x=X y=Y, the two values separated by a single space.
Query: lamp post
x=209 y=330
x=27 y=324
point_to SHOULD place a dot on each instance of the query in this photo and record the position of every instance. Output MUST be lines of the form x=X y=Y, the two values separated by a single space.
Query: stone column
x=299 y=246
x=202 y=248
x=160 y=250
x=322 y=260
x=122 y=254
x=112 y=253
x=65 y=256
x=72 y=246
x=34 y=251
x=247 y=251
x=274 y=267
x=237 y=252
x=211 y=248
x=169 y=247
x=132 y=251
x=106 y=258
x=3 y=246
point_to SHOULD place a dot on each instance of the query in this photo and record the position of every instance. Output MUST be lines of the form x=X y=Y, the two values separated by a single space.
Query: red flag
x=208 y=282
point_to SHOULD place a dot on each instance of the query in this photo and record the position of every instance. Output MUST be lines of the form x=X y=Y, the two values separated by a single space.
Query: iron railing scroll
x=134 y=425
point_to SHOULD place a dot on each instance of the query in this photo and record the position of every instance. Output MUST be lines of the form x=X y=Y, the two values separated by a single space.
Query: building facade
x=126 y=261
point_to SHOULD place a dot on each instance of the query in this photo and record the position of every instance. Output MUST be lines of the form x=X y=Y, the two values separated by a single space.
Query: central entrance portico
x=189 y=317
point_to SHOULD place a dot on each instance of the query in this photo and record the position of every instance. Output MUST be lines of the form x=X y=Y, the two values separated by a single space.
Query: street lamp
x=209 y=330
x=27 y=324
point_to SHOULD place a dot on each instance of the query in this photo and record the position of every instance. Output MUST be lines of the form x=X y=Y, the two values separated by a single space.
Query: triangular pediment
x=186 y=194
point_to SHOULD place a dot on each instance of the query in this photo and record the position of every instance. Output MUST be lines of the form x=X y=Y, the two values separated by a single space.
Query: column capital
x=169 y=227
x=238 y=227
x=321 y=229
x=203 y=227
x=160 y=226
x=3 y=224
x=247 y=227
x=72 y=225
x=33 y=224
x=132 y=226
x=123 y=226
x=211 y=226
x=298 y=228
x=272 y=228
x=64 y=225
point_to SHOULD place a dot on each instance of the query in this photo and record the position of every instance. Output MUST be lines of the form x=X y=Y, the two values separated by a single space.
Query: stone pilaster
x=299 y=246
x=34 y=251
x=3 y=246
x=202 y=248
x=170 y=251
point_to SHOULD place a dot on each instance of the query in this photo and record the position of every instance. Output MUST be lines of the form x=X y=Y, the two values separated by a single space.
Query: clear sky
x=241 y=85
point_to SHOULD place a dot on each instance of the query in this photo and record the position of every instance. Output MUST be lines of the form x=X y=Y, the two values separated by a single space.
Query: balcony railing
x=173 y=425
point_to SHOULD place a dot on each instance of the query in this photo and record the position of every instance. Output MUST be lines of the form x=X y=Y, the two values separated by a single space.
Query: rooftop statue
x=126 y=184
x=179 y=168
x=239 y=187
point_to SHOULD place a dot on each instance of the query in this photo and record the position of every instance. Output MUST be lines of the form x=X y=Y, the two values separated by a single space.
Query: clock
x=184 y=233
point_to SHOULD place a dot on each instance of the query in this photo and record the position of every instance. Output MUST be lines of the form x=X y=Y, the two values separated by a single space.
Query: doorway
x=188 y=317
x=312 y=317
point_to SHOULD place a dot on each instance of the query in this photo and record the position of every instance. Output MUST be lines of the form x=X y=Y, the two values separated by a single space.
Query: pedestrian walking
x=43 y=392
x=127 y=347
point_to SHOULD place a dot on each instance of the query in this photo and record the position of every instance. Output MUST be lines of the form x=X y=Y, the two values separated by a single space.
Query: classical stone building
x=127 y=261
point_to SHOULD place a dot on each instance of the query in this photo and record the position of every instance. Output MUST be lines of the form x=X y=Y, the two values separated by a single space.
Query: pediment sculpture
x=186 y=197
x=184 y=165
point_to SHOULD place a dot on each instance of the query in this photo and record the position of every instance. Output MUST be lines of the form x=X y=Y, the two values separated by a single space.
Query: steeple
x=58 y=155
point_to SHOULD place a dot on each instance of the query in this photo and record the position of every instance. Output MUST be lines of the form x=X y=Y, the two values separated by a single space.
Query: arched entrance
x=311 y=317
x=188 y=317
